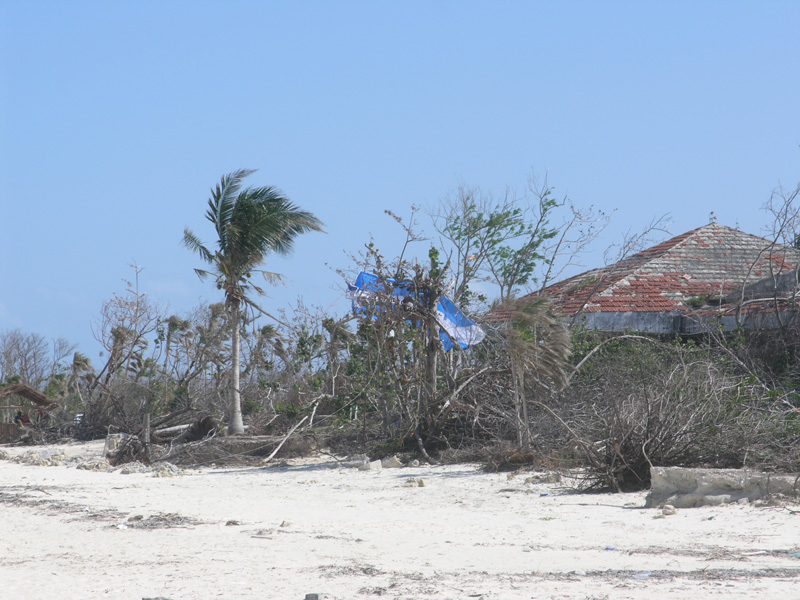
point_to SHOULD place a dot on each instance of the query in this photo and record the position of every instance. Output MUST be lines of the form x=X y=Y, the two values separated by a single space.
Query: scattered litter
x=133 y=467
x=610 y=548
x=642 y=575
x=415 y=482
x=166 y=469
x=158 y=521
x=543 y=478
x=42 y=458
x=94 y=465
x=526 y=548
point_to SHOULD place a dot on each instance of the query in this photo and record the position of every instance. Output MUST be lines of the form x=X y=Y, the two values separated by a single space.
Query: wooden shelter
x=13 y=399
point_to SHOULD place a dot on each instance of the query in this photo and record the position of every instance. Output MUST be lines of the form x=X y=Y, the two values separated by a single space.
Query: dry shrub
x=639 y=404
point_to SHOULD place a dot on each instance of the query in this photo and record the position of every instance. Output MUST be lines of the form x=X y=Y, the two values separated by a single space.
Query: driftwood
x=169 y=433
x=191 y=432
x=240 y=449
x=129 y=449
x=197 y=444
x=285 y=439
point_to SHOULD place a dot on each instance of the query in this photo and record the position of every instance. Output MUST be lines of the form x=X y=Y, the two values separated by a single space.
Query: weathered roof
x=713 y=260
x=29 y=393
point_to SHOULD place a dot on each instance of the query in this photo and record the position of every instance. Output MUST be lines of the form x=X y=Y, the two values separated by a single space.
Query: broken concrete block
x=391 y=462
x=687 y=488
x=375 y=465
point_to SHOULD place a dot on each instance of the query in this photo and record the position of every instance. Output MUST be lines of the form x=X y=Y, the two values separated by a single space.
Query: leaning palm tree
x=250 y=224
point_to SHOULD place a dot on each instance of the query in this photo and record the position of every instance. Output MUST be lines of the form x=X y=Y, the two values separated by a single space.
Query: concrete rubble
x=688 y=488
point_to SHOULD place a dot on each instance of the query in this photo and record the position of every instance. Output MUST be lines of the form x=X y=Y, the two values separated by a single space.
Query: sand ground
x=314 y=526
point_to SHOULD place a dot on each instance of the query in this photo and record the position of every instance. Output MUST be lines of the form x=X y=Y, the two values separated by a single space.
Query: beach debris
x=689 y=488
x=133 y=467
x=374 y=465
x=94 y=465
x=160 y=470
x=392 y=462
x=113 y=442
x=121 y=448
x=668 y=510
x=415 y=482
x=157 y=521
x=45 y=457
x=166 y=469
x=543 y=478
x=354 y=462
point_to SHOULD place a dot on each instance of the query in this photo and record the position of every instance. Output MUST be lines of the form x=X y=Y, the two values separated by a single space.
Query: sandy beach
x=73 y=529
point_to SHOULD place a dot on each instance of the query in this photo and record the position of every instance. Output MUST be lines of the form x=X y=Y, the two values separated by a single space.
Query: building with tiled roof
x=713 y=274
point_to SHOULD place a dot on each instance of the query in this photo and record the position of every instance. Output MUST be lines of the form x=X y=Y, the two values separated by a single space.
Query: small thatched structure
x=26 y=392
x=8 y=429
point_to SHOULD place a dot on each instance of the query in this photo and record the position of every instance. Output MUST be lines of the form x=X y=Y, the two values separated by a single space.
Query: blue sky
x=117 y=117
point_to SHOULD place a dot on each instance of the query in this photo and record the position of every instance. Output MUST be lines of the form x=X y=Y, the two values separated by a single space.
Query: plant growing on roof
x=250 y=224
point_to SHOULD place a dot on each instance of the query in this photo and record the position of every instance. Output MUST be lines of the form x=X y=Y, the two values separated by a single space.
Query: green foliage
x=250 y=224
x=500 y=243
x=696 y=302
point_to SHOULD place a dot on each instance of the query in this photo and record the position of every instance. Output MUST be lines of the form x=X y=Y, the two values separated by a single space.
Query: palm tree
x=538 y=347
x=250 y=224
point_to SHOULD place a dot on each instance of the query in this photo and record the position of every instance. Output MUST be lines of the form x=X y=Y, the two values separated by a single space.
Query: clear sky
x=116 y=118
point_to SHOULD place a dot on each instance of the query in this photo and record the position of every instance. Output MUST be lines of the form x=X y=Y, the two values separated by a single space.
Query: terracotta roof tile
x=712 y=260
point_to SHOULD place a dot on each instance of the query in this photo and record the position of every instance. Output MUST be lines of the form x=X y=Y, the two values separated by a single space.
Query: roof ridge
x=635 y=263
x=672 y=244
x=621 y=267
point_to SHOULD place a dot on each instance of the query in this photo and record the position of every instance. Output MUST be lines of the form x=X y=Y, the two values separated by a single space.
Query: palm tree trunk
x=521 y=407
x=235 y=424
x=431 y=364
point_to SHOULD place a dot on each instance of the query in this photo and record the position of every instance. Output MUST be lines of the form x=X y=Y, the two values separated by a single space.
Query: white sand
x=313 y=527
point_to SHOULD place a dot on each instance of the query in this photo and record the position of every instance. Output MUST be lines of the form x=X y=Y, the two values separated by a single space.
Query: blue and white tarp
x=454 y=325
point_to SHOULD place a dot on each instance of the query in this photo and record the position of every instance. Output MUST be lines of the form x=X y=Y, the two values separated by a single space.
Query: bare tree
x=28 y=357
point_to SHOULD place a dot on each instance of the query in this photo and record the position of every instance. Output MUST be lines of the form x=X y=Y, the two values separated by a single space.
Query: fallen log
x=239 y=449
